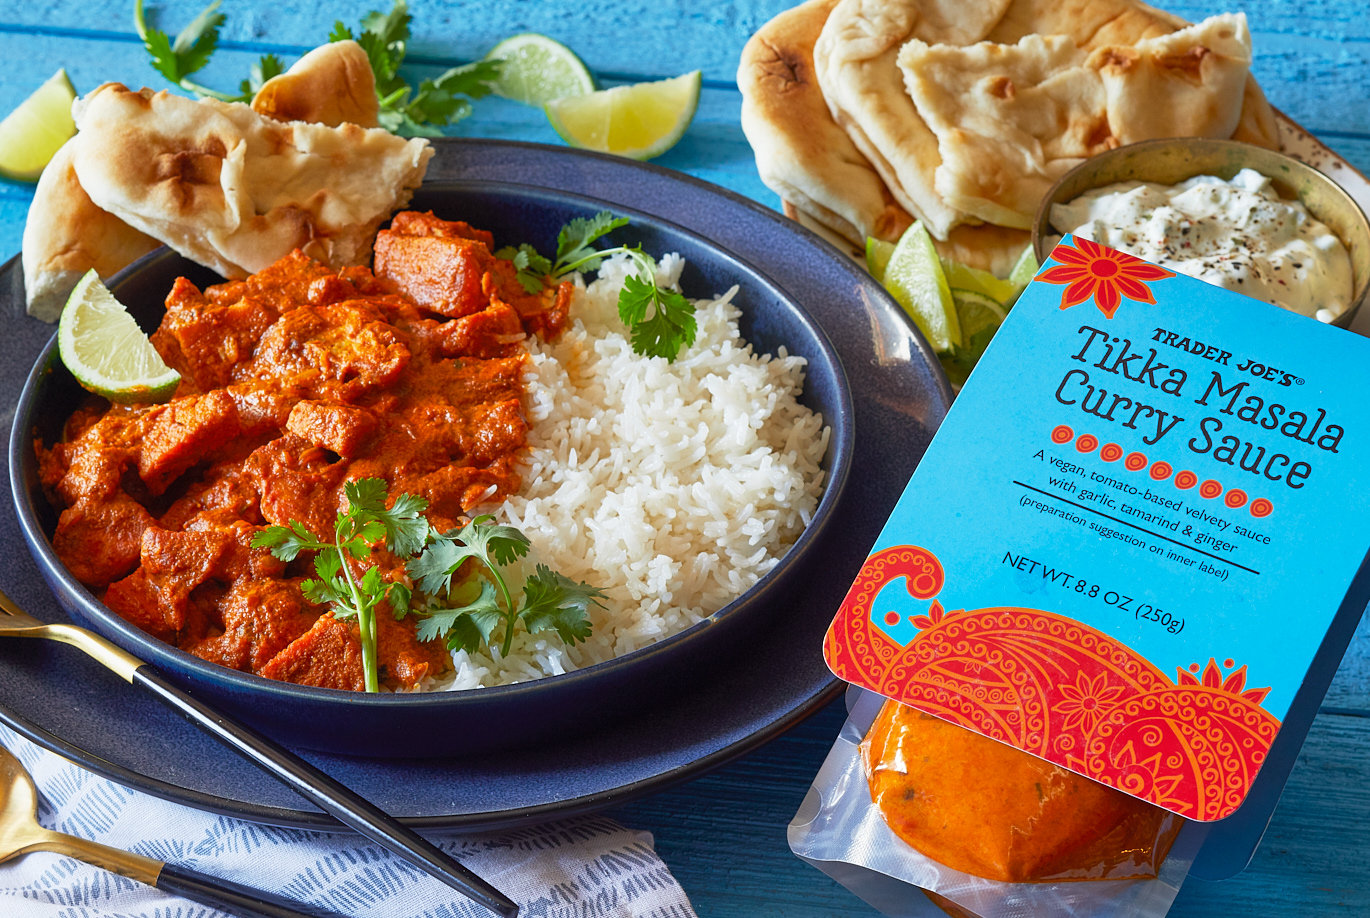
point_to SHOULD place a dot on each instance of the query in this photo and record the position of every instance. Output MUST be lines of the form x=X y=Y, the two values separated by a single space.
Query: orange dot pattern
x=1160 y=470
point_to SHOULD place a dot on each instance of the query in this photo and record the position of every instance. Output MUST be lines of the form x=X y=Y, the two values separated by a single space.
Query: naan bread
x=825 y=174
x=801 y=152
x=855 y=61
x=65 y=235
x=1096 y=24
x=333 y=85
x=234 y=190
x=1012 y=119
x=805 y=157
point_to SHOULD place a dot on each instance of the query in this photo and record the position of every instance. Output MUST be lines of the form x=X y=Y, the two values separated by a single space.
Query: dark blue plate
x=752 y=683
x=540 y=711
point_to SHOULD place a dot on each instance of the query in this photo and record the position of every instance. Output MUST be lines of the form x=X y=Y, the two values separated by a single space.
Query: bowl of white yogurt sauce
x=1233 y=214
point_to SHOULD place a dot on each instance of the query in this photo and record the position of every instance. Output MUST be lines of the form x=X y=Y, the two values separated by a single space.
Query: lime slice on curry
x=915 y=279
x=638 y=121
x=105 y=349
x=535 y=70
x=33 y=132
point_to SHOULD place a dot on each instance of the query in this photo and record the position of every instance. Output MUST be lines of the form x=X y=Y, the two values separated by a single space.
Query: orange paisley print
x=1059 y=689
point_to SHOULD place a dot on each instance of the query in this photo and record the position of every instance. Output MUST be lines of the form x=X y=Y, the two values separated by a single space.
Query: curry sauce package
x=1096 y=626
x=1022 y=849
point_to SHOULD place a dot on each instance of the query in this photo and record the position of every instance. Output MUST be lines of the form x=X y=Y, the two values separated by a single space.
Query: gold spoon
x=20 y=833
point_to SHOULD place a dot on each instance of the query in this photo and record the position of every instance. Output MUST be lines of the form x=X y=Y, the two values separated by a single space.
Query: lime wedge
x=105 y=349
x=980 y=317
x=537 y=69
x=878 y=253
x=914 y=278
x=34 y=131
x=1024 y=270
x=964 y=277
x=976 y=313
x=637 y=121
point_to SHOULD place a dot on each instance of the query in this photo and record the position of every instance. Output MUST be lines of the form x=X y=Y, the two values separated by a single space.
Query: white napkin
x=591 y=866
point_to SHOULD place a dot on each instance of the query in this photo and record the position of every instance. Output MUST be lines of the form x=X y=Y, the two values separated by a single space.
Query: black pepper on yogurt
x=1238 y=233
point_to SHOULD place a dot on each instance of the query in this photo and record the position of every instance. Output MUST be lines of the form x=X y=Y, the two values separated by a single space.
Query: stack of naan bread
x=231 y=186
x=867 y=114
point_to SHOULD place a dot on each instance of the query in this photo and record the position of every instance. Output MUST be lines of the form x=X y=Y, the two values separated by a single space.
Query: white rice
x=672 y=486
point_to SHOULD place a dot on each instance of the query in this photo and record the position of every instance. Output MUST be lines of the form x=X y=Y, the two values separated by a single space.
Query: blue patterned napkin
x=590 y=867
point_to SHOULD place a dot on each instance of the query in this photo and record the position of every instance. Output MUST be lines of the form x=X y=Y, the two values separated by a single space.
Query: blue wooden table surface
x=723 y=834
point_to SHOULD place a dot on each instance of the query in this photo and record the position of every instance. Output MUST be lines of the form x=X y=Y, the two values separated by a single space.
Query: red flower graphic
x=1092 y=270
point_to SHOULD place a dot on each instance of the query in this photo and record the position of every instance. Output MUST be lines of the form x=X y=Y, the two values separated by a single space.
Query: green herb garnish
x=384 y=37
x=550 y=601
x=436 y=102
x=661 y=321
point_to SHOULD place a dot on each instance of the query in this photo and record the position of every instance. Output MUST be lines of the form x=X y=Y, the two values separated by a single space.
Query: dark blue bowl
x=452 y=723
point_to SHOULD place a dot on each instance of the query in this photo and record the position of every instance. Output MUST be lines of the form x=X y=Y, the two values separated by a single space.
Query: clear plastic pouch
x=841 y=831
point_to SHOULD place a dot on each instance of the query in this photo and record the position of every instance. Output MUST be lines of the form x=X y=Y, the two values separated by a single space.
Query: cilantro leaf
x=402 y=526
x=266 y=67
x=196 y=43
x=574 y=241
x=439 y=101
x=189 y=53
x=554 y=601
x=286 y=542
x=479 y=540
x=400 y=597
x=531 y=267
x=464 y=627
x=661 y=320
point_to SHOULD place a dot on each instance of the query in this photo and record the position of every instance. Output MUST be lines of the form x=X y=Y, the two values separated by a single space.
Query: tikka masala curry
x=294 y=381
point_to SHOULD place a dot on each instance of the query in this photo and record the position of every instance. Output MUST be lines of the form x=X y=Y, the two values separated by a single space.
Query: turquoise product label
x=1129 y=536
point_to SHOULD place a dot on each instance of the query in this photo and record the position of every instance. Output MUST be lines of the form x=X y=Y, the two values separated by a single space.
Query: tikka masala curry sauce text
x=294 y=381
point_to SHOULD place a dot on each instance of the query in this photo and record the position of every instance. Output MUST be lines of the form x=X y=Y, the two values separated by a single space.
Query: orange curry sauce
x=295 y=381
x=987 y=809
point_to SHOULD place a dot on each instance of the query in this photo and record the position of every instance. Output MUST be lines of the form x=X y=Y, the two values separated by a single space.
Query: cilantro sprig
x=404 y=109
x=661 y=321
x=438 y=564
x=550 y=601
x=436 y=102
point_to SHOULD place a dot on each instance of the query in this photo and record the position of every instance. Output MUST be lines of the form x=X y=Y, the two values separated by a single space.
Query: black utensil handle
x=242 y=901
x=347 y=807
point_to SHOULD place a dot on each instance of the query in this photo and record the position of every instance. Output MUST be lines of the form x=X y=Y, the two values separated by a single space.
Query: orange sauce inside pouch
x=984 y=808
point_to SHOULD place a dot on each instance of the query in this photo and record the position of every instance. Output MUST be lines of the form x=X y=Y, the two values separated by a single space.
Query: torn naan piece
x=66 y=235
x=801 y=152
x=235 y=190
x=332 y=85
x=855 y=59
x=1012 y=119
x=1094 y=24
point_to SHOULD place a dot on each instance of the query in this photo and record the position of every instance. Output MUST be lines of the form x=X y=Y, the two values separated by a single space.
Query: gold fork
x=334 y=798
